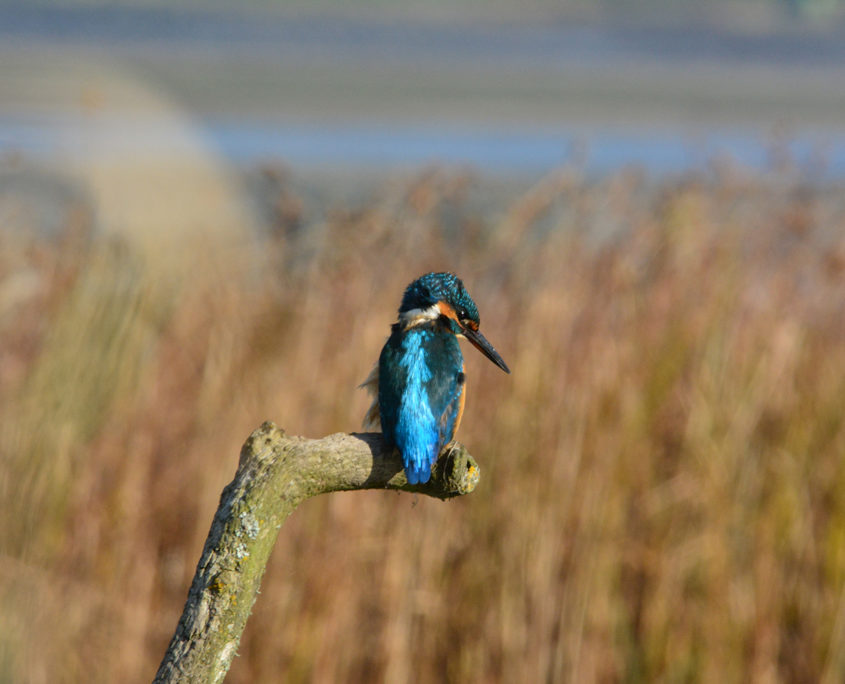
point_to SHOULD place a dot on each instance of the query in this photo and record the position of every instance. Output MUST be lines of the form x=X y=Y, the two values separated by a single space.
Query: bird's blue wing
x=420 y=384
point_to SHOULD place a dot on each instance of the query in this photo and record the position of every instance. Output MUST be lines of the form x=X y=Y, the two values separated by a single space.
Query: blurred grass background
x=661 y=475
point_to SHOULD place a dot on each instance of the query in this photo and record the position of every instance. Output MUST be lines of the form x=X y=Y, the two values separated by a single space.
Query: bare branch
x=275 y=474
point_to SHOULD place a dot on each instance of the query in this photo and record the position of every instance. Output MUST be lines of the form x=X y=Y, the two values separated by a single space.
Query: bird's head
x=443 y=296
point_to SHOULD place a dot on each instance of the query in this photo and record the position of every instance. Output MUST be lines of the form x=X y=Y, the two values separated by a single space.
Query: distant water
x=506 y=151
x=515 y=151
x=192 y=28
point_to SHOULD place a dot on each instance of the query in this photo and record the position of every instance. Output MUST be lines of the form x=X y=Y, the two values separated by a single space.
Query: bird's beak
x=481 y=344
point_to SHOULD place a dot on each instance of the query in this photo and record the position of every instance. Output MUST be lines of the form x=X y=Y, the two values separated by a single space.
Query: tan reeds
x=661 y=495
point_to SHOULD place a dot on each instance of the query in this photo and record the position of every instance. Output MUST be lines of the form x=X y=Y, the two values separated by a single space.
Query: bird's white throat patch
x=413 y=317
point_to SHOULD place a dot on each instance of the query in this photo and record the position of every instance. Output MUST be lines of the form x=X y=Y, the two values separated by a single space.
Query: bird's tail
x=417 y=473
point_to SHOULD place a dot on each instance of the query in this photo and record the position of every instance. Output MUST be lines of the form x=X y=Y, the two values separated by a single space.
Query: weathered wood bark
x=275 y=474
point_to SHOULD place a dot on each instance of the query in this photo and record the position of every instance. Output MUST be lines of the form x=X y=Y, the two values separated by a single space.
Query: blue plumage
x=420 y=374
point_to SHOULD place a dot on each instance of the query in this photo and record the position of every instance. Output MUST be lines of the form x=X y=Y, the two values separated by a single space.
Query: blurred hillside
x=728 y=9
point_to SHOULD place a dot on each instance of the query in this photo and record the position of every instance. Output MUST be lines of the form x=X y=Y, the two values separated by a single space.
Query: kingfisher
x=419 y=382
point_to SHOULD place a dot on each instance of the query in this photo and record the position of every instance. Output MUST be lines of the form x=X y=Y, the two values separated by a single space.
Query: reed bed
x=662 y=473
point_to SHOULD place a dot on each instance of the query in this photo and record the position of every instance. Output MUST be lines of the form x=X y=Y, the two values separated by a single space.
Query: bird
x=419 y=383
